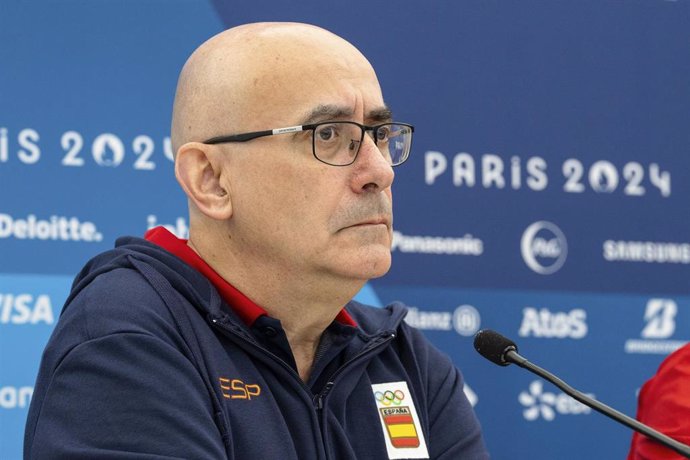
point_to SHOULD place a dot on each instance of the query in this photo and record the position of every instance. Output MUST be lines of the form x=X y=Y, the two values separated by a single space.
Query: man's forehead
x=323 y=112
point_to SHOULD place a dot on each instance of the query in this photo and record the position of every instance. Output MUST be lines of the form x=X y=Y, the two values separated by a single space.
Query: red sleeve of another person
x=664 y=404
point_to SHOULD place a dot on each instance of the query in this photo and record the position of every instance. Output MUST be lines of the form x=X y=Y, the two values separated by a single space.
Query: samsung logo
x=646 y=251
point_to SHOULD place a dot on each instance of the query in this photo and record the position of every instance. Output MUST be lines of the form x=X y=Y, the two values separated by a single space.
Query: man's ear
x=200 y=174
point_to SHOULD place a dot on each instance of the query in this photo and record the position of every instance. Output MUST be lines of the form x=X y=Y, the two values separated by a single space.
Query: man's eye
x=383 y=133
x=327 y=133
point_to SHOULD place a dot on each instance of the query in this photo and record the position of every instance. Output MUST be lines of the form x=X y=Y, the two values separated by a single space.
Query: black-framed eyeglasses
x=337 y=143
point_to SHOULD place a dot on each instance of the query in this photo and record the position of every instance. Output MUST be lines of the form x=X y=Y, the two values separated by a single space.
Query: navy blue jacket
x=148 y=362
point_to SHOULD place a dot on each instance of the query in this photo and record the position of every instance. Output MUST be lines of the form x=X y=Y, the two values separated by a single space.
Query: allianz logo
x=544 y=247
x=547 y=324
x=660 y=326
x=25 y=309
x=465 y=320
x=15 y=397
x=540 y=404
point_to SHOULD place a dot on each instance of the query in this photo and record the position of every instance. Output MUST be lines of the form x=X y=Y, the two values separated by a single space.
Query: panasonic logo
x=466 y=245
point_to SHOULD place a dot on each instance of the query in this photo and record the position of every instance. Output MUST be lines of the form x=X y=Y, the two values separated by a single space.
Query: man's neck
x=305 y=307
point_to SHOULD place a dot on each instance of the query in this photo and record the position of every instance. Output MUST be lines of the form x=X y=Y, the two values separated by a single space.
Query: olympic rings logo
x=390 y=397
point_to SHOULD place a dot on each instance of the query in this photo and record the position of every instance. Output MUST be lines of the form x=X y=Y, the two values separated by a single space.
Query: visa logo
x=25 y=309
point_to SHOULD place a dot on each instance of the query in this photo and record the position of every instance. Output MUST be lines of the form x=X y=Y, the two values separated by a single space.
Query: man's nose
x=372 y=169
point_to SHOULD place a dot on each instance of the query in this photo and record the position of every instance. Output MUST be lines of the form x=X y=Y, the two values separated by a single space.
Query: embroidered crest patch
x=399 y=420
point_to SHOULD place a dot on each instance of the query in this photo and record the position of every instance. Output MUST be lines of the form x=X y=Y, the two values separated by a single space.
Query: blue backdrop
x=546 y=196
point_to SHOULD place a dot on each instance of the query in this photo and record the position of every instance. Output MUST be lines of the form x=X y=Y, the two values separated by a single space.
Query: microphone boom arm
x=511 y=355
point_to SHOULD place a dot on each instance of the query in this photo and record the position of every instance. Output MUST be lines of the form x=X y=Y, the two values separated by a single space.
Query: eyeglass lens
x=337 y=143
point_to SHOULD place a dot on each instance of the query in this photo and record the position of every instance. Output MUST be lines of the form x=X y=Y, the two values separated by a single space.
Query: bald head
x=250 y=77
x=248 y=217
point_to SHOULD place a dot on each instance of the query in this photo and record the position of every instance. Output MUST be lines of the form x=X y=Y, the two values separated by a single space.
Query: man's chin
x=373 y=264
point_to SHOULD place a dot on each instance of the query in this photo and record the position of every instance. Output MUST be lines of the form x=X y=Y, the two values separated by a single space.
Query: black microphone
x=503 y=351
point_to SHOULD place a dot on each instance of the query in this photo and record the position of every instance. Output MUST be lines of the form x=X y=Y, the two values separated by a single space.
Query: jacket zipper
x=290 y=370
x=317 y=400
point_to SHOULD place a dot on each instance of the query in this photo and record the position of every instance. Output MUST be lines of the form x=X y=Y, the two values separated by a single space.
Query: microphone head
x=493 y=346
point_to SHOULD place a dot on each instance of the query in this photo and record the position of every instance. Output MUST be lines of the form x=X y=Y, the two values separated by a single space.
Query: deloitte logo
x=55 y=228
x=543 y=404
x=544 y=247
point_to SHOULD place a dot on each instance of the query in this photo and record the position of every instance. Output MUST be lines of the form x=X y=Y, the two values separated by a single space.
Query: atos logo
x=543 y=404
x=544 y=247
x=660 y=325
x=548 y=324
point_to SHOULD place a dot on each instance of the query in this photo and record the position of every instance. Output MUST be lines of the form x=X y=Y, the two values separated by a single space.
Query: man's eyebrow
x=327 y=112
x=380 y=115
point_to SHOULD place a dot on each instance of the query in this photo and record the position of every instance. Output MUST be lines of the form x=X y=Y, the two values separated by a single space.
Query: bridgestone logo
x=646 y=251
x=652 y=347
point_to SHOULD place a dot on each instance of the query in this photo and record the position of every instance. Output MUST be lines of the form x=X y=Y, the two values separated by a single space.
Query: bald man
x=243 y=342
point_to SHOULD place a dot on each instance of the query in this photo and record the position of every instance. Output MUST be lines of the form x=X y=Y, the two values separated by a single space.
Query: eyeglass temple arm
x=238 y=137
